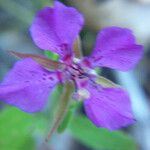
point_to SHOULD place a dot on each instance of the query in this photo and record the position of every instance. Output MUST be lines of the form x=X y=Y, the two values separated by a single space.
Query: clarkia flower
x=29 y=83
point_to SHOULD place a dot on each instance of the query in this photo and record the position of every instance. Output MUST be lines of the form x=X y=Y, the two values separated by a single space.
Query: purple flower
x=29 y=83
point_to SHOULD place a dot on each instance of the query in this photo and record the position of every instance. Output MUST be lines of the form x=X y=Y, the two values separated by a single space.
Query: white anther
x=93 y=72
x=76 y=60
x=83 y=93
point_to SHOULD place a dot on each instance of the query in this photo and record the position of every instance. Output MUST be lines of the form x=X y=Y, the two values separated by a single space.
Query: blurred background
x=21 y=131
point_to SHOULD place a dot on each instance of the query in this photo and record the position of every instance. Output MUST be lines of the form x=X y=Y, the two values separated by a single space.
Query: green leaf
x=51 y=55
x=15 y=130
x=98 y=138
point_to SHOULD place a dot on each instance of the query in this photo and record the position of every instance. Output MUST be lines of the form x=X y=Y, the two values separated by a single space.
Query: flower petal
x=109 y=108
x=27 y=86
x=56 y=28
x=116 y=48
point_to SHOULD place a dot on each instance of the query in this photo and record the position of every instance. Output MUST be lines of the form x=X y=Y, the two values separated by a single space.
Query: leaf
x=15 y=130
x=99 y=138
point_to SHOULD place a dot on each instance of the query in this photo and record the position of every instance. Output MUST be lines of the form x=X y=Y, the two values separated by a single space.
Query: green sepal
x=62 y=108
x=65 y=122
x=106 y=83
x=51 y=55
x=68 y=117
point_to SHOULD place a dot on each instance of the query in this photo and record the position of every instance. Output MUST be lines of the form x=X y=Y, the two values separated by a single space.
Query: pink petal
x=27 y=86
x=109 y=108
x=56 y=28
x=116 y=48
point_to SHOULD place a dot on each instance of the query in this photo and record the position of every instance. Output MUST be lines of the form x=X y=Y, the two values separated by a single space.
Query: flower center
x=81 y=75
x=76 y=71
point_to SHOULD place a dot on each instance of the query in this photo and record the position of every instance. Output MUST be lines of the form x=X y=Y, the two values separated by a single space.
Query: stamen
x=93 y=72
x=76 y=60
x=84 y=94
